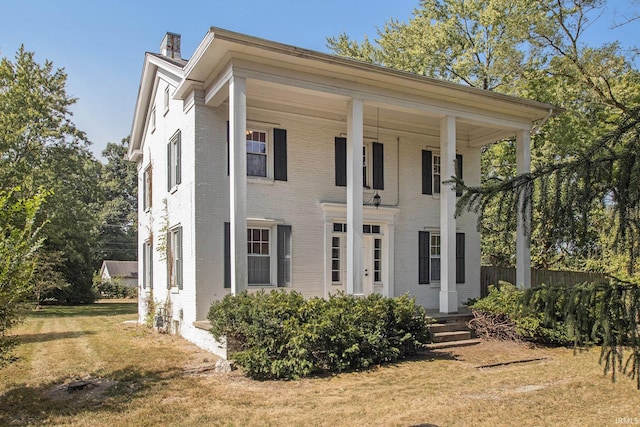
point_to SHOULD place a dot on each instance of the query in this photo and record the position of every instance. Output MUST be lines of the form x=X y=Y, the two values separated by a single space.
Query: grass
x=143 y=378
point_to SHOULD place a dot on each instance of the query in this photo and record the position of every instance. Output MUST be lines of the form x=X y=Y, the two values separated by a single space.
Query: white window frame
x=147 y=189
x=436 y=166
x=147 y=266
x=267 y=154
x=435 y=236
x=175 y=160
x=152 y=119
x=337 y=259
x=175 y=242
x=166 y=99
x=273 y=267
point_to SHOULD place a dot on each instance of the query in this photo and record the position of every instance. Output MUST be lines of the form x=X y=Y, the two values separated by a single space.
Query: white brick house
x=284 y=167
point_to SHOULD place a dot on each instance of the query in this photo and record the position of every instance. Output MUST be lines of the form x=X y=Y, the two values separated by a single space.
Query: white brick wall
x=201 y=204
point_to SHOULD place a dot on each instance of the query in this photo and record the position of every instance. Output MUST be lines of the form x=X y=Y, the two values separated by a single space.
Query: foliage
x=19 y=245
x=118 y=209
x=504 y=307
x=47 y=276
x=282 y=335
x=608 y=314
x=584 y=160
x=113 y=288
x=40 y=147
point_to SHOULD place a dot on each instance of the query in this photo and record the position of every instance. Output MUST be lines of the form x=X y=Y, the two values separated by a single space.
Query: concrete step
x=453 y=344
x=448 y=327
x=451 y=336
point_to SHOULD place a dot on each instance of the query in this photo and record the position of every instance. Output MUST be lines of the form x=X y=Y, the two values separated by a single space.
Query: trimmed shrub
x=281 y=335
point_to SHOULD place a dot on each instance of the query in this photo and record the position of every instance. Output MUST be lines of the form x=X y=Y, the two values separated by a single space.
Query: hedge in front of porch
x=280 y=335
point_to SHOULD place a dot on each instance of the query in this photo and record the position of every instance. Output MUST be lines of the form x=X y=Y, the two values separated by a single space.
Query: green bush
x=282 y=335
x=113 y=288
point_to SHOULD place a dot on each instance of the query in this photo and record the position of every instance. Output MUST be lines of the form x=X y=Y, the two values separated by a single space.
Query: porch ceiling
x=268 y=96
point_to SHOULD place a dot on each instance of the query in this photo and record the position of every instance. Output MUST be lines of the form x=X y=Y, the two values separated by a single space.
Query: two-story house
x=264 y=166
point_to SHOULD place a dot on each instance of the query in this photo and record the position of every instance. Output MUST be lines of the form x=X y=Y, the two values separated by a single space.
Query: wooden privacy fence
x=490 y=275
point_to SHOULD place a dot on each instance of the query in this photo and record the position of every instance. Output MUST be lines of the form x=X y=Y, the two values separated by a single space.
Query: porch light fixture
x=376 y=200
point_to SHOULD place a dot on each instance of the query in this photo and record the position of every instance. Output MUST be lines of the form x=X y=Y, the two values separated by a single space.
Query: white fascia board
x=371 y=94
x=153 y=66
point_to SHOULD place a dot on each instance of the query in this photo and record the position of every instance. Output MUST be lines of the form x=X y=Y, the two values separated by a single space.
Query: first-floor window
x=174 y=261
x=429 y=257
x=259 y=259
x=147 y=265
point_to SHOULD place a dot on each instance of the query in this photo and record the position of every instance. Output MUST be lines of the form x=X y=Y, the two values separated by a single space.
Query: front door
x=372 y=264
x=367 y=265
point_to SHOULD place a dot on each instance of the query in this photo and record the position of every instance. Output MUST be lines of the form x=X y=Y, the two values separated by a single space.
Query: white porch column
x=523 y=239
x=238 y=182
x=448 y=291
x=355 y=135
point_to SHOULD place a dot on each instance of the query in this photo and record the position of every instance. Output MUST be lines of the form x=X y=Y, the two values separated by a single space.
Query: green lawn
x=138 y=377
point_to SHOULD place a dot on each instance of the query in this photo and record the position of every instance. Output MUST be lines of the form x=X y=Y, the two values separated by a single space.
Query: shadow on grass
x=100 y=309
x=50 y=336
x=36 y=405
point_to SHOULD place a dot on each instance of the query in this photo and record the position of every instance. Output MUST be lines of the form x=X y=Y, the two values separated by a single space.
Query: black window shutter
x=378 y=166
x=284 y=233
x=228 y=168
x=341 y=162
x=459 y=172
x=179 y=158
x=427 y=169
x=227 y=255
x=280 y=154
x=460 y=258
x=178 y=255
x=150 y=250
x=169 y=166
x=423 y=257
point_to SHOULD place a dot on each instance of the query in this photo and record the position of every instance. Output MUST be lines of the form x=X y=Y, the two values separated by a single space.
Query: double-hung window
x=436 y=174
x=256 y=153
x=429 y=257
x=174 y=160
x=146 y=188
x=174 y=258
x=147 y=265
x=432 y=172
x=259 y=256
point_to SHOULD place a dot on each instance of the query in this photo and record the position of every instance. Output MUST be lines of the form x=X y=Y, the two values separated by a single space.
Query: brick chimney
x=170 y=46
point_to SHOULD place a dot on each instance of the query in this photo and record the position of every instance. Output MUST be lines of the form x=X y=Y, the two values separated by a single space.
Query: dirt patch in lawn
x=80 y=389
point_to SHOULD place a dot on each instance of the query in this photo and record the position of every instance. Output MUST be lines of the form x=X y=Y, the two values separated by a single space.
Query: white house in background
x=269 y=166
x=125 y=271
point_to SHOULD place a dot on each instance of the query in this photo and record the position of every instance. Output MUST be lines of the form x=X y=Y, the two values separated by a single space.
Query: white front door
x=367 y=265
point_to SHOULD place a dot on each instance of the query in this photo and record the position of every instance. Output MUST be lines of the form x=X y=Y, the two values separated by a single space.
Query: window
x=174 y=258
x=434 y=254
x=259 y=260
x=146 y=189
x=432 y=172
x=147 y=265
x=335 y=260
x=372 y=164
x=429 y=257
x=174 y=154
x=166 y=99
x=436 y=174
x=152 y=120
x=259 y=255
x=256 y=153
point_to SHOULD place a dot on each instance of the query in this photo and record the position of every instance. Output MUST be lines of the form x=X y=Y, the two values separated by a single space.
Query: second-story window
x=256 y=153
x=174 y=153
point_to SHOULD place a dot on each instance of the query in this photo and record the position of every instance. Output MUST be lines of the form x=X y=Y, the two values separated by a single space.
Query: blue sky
x=101 y=43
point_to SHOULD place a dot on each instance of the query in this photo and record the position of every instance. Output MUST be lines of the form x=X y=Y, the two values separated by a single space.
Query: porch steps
x=451 y=330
